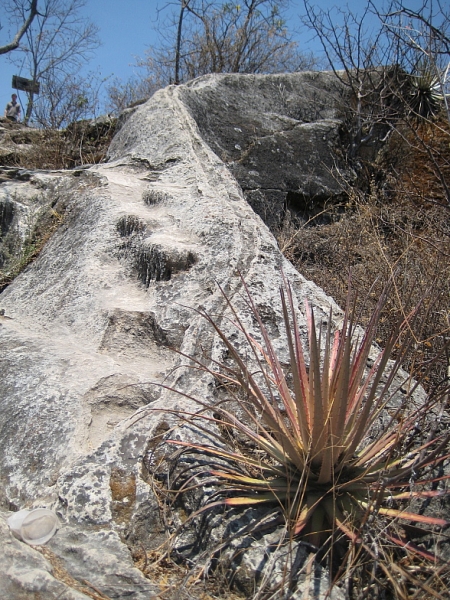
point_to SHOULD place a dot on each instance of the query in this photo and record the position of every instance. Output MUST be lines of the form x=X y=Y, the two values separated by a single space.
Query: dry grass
x=177 y=582
x=399 y=225
x=82 y=143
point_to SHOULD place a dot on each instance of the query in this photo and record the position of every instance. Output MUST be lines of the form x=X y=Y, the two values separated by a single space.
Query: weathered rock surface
x=17 y=142
x=90 y=324
x=31 y=206
x=279 y=135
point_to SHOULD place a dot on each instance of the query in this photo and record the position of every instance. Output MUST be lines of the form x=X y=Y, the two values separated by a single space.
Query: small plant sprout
x=326 y=442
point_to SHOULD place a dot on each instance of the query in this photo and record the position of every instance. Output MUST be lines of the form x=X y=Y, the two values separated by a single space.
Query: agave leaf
x=328 y=459
x=288 y=446
x=267 y=484
x=362 y=350
x=279 y=381
x=336 y=406
x=265 y=442
x=273 y=362
x=407 y=516
x=356 y=400
x=421 y=482
x=382 y=446
x=298 y=367
x=363 y=420
x=433 y=458
x=412 y=547
x=359 y=425
x=319 y=412
x=352 y=536
x=228 y=455
x=308 y=506
x=418 y=494
x=318 y=527
x=358 y=422
x=336 y=517
x=270 y=411
x=275 y=375
x=327 y=357
x=377 y=451
x=281 y=432
x=256 y=499
x=340 y=396
x=355 y=485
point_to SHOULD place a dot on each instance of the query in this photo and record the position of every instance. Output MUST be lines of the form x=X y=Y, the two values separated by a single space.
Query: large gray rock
x=280 y=136
x=87 y=331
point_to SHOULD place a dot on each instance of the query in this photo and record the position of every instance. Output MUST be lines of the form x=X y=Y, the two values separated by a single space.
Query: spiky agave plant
x=311 y=429
x=425 y=96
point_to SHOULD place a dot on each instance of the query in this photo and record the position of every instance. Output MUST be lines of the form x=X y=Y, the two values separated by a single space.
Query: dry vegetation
x=34 y=242
x=81 y=143
x=398 y=223
x=316 y=459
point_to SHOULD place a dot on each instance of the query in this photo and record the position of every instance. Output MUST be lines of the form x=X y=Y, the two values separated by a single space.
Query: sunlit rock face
x=89 y=330
x=279 y=135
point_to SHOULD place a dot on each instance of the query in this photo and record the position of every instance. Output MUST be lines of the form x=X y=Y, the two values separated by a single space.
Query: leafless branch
x=26 y=24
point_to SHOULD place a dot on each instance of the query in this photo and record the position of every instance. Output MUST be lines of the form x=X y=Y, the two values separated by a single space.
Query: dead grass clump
x=82 y=143
x=176 y=581
x=399 y=227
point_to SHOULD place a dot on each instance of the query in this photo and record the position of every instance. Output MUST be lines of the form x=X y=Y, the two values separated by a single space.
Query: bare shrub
x=82 y=143
x=399 y=226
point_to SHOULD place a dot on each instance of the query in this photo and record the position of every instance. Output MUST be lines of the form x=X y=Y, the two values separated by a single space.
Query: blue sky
x=128 y=27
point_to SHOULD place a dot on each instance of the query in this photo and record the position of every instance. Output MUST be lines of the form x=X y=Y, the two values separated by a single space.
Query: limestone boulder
x=89 y=331
x=32 y=206
x=279 y=135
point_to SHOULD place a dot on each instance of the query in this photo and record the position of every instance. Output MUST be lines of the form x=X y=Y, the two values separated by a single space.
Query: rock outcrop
x=90 y=327
x=17 y=142
x=280 y=136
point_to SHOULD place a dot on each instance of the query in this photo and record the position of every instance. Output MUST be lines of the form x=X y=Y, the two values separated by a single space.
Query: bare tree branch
x=58 y=43
x=16 y=41
x=215 y=36
x=437 y=32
